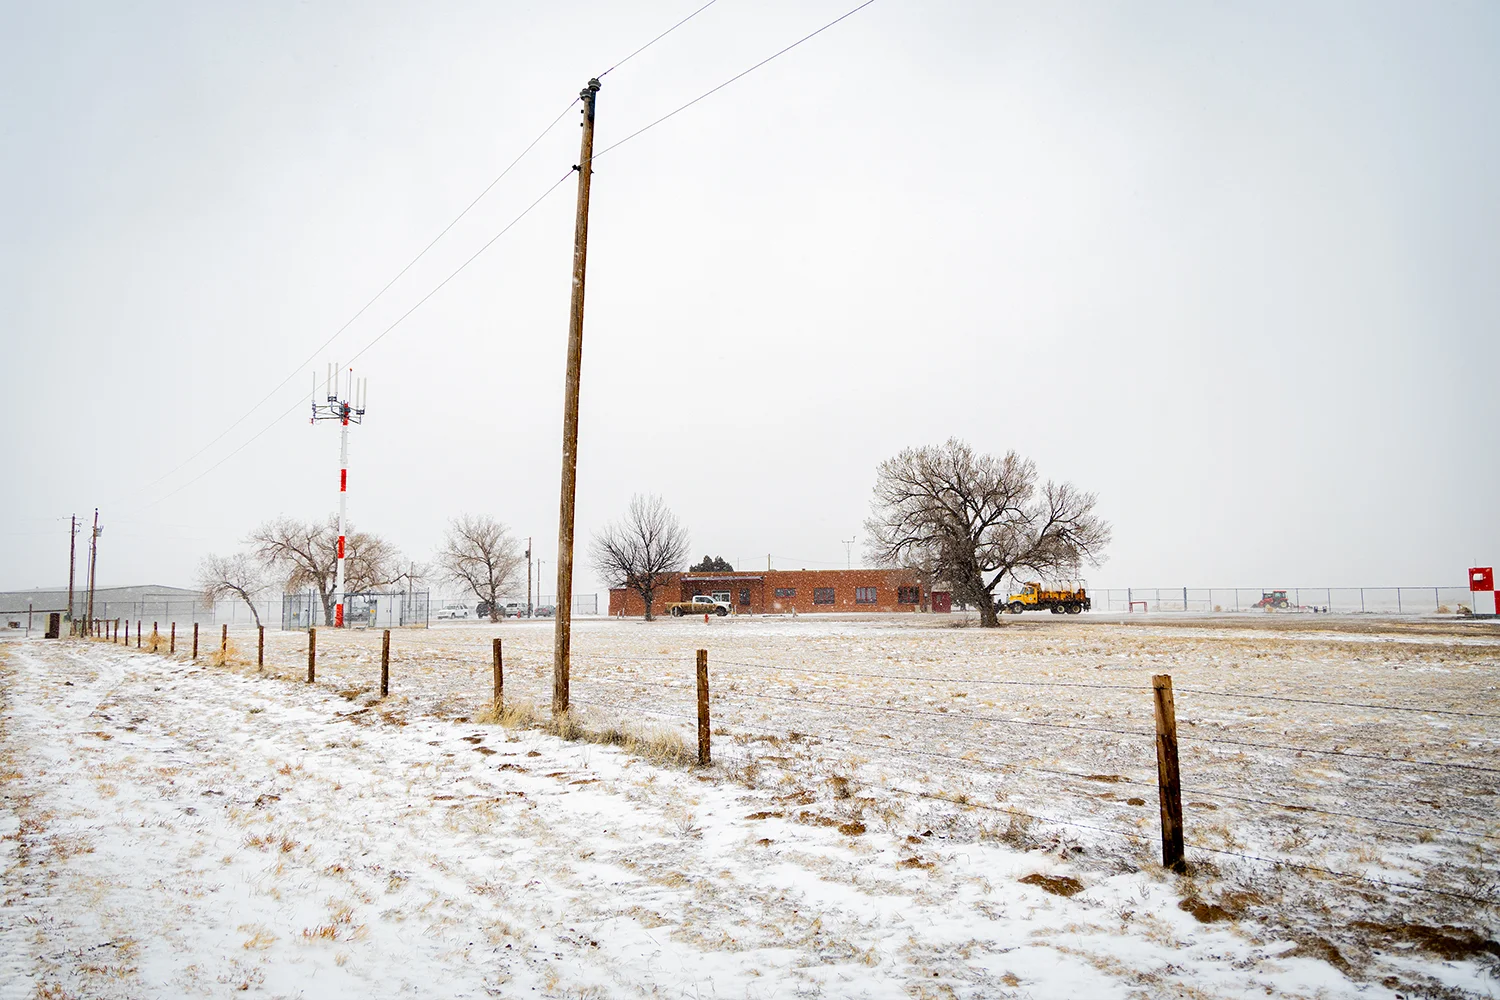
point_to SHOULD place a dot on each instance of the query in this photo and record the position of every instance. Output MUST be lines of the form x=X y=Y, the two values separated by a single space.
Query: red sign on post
x=1482 y=578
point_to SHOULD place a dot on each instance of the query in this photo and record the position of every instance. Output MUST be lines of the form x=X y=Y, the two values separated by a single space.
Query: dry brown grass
x=657 y=744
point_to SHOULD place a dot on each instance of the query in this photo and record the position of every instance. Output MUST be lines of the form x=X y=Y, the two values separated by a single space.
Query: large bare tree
x=978 y=520
x=306 y=554
x=637 y=551
x=227 y=577
x=479 y=553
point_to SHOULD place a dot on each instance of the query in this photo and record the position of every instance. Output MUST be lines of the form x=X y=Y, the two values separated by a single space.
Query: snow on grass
x=176 y=829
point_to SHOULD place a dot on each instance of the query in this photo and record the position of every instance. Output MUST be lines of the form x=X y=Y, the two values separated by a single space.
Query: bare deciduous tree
x=228 y=577
x=639 y=550
x=978 y=520
x=306 y=552
x=480 y=554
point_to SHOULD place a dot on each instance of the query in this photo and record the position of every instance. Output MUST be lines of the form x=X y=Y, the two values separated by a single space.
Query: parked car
x=545 y=611
x=443 y=613
x=483 y=610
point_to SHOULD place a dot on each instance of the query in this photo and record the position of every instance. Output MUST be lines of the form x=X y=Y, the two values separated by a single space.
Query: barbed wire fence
x=809 y=723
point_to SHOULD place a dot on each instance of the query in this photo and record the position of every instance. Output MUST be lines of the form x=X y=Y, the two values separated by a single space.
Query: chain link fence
x=1335 y=600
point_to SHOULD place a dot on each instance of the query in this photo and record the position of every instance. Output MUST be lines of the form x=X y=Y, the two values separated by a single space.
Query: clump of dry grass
x=657 y=744
x=224 y=656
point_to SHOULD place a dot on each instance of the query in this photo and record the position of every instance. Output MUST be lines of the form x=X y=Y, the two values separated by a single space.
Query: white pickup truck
x=700 y=605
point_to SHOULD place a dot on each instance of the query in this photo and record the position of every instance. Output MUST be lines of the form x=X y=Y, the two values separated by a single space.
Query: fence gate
x=300 y=611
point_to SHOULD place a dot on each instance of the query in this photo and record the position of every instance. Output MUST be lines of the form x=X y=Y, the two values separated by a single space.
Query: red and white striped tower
x=346 y=408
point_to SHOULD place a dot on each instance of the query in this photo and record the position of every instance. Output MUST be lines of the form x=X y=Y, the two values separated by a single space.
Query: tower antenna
x=350 y=408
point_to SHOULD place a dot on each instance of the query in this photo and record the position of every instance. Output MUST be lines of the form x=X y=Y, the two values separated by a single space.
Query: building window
x=721 y=595
x=864 y=595
x=745 y=597
x=786 y=591
x=822 y=595
x=908 y=595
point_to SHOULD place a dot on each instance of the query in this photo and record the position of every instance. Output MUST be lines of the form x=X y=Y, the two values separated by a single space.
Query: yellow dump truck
x=1059 y=600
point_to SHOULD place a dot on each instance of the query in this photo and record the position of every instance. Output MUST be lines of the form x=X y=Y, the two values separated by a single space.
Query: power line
x=490 y=242
x=658 y=38
x=362 y=309
x=732 y=79
x=388 y=329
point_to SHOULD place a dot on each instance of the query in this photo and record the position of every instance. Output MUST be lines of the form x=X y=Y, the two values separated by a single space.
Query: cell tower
x=346 y=409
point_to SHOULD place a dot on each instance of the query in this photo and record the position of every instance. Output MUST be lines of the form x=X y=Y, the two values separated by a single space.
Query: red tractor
x=1270 y=599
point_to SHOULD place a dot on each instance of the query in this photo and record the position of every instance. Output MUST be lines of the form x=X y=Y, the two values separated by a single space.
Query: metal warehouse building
x=791 y=592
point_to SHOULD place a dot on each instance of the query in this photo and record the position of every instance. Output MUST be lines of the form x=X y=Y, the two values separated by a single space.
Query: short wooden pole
x=385 y=663
x=260 y=646
x=195 y=640
x=1169 y=781
x=137 y=634
x=499 y=698
x=127 y=631
x=117 y=630
x=312 y=654
x=155 y=637
x=705 y=753
x=224 y=642
x=172 y=643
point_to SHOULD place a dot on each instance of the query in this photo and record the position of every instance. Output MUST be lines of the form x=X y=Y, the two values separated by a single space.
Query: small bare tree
x=639 y=550
x=480 y=554
x=227 y=577
x=977 y=520
x=306 y=554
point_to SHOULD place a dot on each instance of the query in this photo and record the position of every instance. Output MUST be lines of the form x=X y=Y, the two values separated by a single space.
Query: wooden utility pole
x=72 y=548
x=530 y=608
x=1169 y=781
x=562 y=633
x=93 y=562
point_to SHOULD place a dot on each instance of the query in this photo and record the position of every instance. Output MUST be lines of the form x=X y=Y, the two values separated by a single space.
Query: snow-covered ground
x=896 y=809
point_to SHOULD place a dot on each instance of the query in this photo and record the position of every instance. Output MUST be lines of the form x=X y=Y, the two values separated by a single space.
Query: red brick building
x=786 y=591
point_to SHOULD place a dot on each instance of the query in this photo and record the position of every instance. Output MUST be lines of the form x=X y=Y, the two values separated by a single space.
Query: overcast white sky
x=1234 y=267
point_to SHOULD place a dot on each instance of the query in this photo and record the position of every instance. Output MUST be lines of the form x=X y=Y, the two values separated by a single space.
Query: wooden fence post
x=138 y=634
x=1169 y=782
x=385 y=663
x=195 y=641
x=172 y=645
x=499 y=700
x=127 y=631
x=117 y=630
x=705 y=755
x=224 y=643
x=260 y=646
x=155 y=637
x=312 y=654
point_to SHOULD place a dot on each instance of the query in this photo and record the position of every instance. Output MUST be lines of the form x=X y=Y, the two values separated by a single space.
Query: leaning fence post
x=385 y=663
x=312 y=653
x=705 y=754
x=260 y=646
x=1169 y=782
x=195 y=641
x=498 y=703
